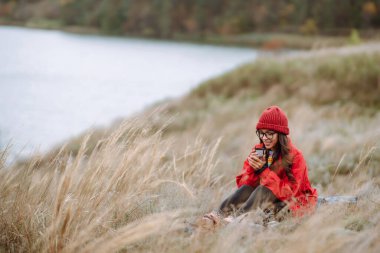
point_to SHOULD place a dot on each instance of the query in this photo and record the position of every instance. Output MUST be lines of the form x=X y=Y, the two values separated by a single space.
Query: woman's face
x=269 y=138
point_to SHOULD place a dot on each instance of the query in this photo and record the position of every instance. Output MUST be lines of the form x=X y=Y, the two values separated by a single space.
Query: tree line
x=168 y=18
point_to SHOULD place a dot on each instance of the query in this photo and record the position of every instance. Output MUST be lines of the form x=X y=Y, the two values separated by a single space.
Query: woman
x=274 y=180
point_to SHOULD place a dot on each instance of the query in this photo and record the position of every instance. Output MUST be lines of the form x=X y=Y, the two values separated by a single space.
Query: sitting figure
x=274 y=175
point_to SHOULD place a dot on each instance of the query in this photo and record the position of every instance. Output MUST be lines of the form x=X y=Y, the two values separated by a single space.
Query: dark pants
x=247 y=198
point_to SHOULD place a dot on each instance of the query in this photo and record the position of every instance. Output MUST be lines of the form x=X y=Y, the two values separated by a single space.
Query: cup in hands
x=257 y=159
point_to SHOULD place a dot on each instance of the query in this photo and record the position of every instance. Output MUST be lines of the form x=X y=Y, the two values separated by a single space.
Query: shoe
x=210 y=221
x=214 y=217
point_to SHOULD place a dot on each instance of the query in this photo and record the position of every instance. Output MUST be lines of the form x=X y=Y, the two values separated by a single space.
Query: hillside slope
x=135 y=187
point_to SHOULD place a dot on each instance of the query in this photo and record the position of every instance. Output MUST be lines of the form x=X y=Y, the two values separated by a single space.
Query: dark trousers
x=247 y=198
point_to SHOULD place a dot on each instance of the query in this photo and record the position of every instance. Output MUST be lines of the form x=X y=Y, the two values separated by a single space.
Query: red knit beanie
x=274 y=118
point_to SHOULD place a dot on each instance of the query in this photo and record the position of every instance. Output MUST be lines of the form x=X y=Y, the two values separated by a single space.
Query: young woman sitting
x=274 y=175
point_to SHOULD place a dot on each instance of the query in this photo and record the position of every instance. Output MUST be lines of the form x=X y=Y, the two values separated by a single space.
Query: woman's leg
x=261 y=197
x=238 y=198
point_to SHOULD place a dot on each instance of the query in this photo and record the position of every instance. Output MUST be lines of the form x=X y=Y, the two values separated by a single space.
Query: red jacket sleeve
x=283 y=188
x=247 y=176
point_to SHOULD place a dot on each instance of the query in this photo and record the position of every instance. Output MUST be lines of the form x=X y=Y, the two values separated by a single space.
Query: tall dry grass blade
x=337 y=167
x=132 y=233
x=363 y=159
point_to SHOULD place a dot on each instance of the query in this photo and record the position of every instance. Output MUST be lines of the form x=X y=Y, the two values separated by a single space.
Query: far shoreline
x=271 y=42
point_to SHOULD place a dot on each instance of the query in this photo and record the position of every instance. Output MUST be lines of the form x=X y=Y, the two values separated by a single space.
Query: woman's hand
x=255 y=162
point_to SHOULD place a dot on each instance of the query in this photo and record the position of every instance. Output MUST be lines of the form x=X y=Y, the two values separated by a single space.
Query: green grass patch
x=324 y=80
x=44 y=23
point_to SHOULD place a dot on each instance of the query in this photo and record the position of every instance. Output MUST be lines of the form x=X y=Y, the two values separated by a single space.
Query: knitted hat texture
x=273 y=118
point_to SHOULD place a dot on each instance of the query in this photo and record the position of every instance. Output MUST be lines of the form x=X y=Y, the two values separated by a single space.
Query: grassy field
x=136 y=186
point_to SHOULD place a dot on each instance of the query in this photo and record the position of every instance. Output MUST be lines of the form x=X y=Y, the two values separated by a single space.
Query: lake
x=55 y=85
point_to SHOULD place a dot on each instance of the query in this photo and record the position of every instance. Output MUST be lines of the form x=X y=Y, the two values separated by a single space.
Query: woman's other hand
x=255 y=162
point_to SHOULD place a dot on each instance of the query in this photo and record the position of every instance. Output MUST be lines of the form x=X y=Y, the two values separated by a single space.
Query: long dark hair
x=283 y=150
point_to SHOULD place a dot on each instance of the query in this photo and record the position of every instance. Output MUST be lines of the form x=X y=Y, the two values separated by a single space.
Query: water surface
x=55 y=85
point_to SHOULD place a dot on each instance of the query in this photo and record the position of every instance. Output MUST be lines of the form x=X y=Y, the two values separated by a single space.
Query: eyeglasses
x=269 y=135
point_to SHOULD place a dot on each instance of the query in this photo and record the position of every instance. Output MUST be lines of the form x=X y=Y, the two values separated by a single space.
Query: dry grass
x=78 y=203
x=135 y=187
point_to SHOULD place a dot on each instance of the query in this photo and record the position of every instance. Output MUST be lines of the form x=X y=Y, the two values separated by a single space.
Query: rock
x=337 y=199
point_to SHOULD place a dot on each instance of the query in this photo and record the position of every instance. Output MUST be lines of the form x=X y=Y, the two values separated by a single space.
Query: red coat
x=299 y=195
